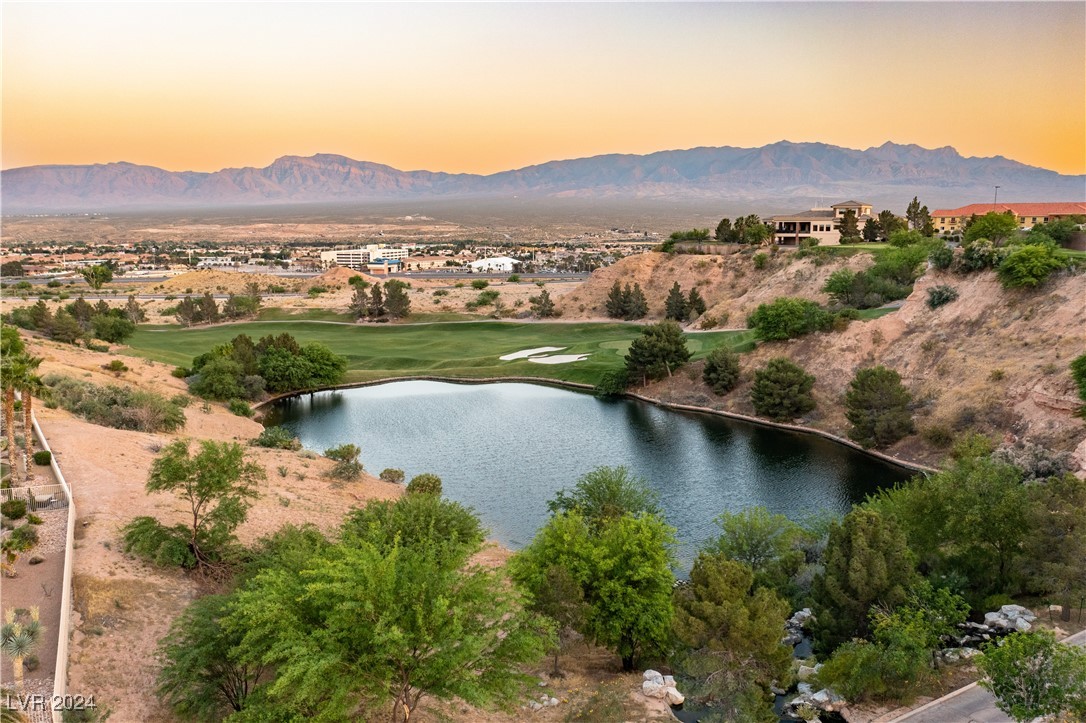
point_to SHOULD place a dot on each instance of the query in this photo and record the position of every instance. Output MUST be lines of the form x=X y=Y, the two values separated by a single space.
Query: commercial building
x=496 y=265
x=359 y=258
x=821 y=224
x=951 y=220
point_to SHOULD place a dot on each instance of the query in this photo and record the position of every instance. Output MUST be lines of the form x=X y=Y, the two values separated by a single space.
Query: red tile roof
x=1018 y=209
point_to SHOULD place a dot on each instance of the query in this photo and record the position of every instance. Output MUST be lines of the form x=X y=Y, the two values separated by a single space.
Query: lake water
x=506 y=449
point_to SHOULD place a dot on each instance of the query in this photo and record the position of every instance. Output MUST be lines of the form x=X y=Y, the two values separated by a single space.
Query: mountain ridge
x=784 y=168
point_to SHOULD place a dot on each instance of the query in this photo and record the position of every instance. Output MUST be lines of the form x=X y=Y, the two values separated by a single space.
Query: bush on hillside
x=787 y=318
x=941 y=257
x=424 y=484
x=877 y=405
x=43 y=458
x=277 y=438
x=1028 y=266
x=721 y=370
x=940 y=295
x=392 y=475
x=118 y=407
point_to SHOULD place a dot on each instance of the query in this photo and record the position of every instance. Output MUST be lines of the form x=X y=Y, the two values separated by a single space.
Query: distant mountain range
x=777 y=171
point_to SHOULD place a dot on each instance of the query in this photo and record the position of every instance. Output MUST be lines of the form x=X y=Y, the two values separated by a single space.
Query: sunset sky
x=488 y=87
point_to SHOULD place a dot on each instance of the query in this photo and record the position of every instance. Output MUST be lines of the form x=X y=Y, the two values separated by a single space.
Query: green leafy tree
x=624 y=570
x=659 y=351
x=449 y=529
x=839 y=286
x=782 y=390
x=1056 y=540
x=217 y=485
x=1028 y=266
x=605 y=494
x=219 y=379
x=720 y=616
x=901 y=238
x=787 y=318
x=849 y=228
x=867 y=562
x=1031 y=675
x=877 y=406
x=721 y=370
x=675 y=307
x=97 y=275
x=723 y=230
x=364 y=627
x=114 y=329
x=542 y=306
x=397 y=301
x=993 y=226
x=200 y=678
x=765 y=543
x=12 y=268
x=562 y=600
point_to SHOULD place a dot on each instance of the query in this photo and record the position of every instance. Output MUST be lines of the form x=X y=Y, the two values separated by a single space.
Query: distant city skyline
x=481 y=88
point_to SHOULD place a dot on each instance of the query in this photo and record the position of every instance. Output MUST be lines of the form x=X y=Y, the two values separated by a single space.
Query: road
x=971 y=704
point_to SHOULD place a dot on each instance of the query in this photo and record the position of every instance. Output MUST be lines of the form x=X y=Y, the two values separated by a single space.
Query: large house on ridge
x=822 y=224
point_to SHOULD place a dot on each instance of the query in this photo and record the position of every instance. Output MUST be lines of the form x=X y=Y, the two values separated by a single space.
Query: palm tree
x=19 y=638
x=8 y=712
x=12 y=373
x=30 y=385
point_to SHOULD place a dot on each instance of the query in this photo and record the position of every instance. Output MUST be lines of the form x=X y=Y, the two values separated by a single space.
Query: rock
x=544 y=699
x=552 y=702
x=1022 y=625
x=805 y=672
x=1013 y=612
x=805 y=689
x=669 y=681
x=652 y=689
x=542 y=684
x=777 y=691
x=1055 y=609
x=36 y=560
x=967 y=653
x=991 y=618
x=673 y=696
x=822 y=697
x=535 y=705
x=654 y=675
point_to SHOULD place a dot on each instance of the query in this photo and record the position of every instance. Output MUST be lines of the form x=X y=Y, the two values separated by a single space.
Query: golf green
x=443 y=349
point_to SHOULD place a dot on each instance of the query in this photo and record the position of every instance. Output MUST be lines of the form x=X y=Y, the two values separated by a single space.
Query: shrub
x=940 y=295
x=181 y=372
x=116 y=366
x=424 y=484
x=33 y=519
x=347 y=466
x=1028 y=266
x=514 y=278
x=787 y=318
x=721 y=370
x=240 y=407
x=277 y=438
x=13 y=509
x=390 y=474
x=938 y=435
x=480 y=284
x=113 y=329
x=43 y=458
x=613 y=383
x=941 y=257
x=24 y=537
x=782 y=390
x=181 y=400
x=1078 y=373
x=979 y=255
x=877 y=405
x=153 y=541
x=760 y=260
x=101 y=348
x=118 y=407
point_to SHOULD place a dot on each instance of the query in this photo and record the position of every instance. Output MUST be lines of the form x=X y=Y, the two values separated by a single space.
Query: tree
x=425 y=484
x=659 y=350
x=377 y=302
x=562 y=600
x=1078 y=374
x=723 y=230
x=397 y=301
x=347 y=466
x=13 y=371
x=877 y=406
x=840 y=285
x=787 y=318
x=763 y=542
x=889 y=223
x=97 y=275
x=721 y=370
x=993 y=226
x=624 y=570
x=359 y=625
x=449 y=529
x=200 y=678
x=695 y=305
x=187 y=313
x=542 y=306
x=721 y=614
x=19 y=639
x=134 y=311
x=1031 y=675
x=65 y=328
x=1056 y=543
x=81 y=311
x=12 y=268
x=616 y=302
x=217 y=484
x=207 y=309
x=872 y=230
x=1028 y=266
x=867 y=562
x=360 y=301
x=606 y=493
x=849 y=228
x=782 y=390
x=219 y=379
x=30 y=385
x=675 y=307
x=635 y=306
x=114 y=329
x=919 y=218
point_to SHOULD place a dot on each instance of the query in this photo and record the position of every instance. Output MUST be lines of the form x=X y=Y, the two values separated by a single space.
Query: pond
x=506 y=449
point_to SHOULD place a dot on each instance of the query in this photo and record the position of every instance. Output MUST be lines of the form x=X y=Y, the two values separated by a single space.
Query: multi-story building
x=951 y=220
x=360 y=258
x=821 y=224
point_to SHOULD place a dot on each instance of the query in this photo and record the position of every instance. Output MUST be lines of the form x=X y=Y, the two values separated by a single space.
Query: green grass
x=277 y=314
x=866 y=314
x=1072 y=254
x=455 y=350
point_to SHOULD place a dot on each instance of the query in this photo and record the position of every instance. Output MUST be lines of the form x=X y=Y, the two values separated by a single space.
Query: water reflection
x=505 y=449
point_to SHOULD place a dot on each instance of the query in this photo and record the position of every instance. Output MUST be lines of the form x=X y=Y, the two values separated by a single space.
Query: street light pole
x=995 y=200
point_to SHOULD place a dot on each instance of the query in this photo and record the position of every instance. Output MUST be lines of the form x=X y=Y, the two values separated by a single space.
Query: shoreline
x=578 y=386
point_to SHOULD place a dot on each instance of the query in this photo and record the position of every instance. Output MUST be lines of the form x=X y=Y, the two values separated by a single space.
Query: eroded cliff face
x=993 y=361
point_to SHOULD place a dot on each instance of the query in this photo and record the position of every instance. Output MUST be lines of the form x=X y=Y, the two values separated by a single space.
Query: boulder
x=673 y=697
x=805 y=689
x=990 y=619
x=805 y=672
x=652 y=689
x=669 y=681
x=551 y=702
x=1014 y=612
x=654 y=675
x=1022 y=625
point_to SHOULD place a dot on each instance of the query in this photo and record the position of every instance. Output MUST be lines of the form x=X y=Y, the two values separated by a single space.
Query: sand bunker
x=558 y=358
x=530 y=352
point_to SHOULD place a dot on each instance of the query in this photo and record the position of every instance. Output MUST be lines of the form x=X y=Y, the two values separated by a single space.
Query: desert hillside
x=993 y=361
x=730 y=284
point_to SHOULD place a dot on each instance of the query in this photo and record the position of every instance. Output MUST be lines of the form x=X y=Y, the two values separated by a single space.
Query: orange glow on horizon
x=489 y=87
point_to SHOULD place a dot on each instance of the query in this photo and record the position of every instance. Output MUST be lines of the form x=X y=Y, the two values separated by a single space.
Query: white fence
x=62 y=493
x=42 y=497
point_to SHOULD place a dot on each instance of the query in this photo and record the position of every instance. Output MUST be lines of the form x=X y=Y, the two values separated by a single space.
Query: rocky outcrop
x=657 y=685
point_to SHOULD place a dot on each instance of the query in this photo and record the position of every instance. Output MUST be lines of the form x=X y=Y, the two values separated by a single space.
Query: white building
x=822 y=224
x=496 y=265
x=359 y=258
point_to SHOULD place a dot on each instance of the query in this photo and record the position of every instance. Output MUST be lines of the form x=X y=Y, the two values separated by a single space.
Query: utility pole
x=995 y=199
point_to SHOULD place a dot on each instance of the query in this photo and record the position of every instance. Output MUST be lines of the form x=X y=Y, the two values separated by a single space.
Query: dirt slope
x=730 y=284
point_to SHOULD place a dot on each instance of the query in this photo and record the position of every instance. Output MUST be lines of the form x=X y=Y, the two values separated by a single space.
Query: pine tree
x=377 y=302
x=782 y=390
x=659 y=351
x=675 y=306
x=396 y=299
x=912 y=215
x=877 y=405
x=542 y=306
x=617 y=301
x=721 y=370
x=724 y=230
x=927 y=228
x=635 y=305
x=695 y=305
x=890 y=223
x=134 y=311
x=208 y=308
x=186 y=311
x=360 y=302
x=872 y=230
x=849 y=228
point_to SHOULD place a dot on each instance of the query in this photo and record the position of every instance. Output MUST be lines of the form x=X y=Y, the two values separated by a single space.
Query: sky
x=485 y=87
